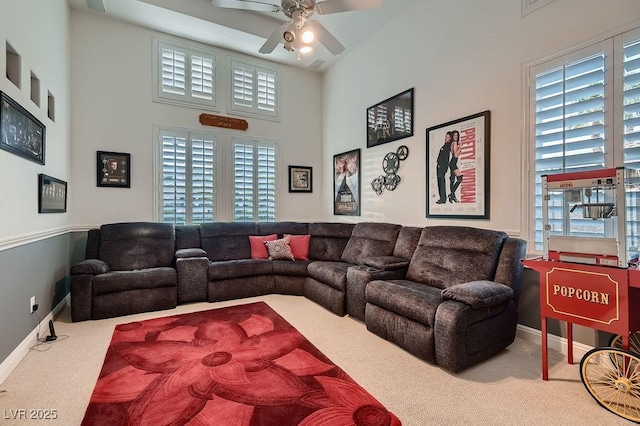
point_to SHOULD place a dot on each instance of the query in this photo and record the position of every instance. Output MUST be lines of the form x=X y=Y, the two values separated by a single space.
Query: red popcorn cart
x=589 y=276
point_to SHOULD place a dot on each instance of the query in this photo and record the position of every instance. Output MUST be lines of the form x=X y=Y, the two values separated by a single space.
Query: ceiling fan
x=300 y=31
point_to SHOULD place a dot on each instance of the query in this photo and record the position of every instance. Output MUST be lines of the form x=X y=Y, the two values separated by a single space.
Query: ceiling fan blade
x=274 y=39
x=335 y=6
x=247 y=5
x=326 y=38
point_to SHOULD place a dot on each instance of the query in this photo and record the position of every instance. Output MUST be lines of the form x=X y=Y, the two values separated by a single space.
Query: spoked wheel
x=634 y=342
x=612 y=377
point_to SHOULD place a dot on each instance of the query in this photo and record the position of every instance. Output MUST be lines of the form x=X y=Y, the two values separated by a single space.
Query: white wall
x=38 y=31
x=113 y=111
x=462 y=57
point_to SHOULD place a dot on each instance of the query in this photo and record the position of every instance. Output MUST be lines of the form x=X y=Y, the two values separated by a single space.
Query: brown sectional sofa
x=446 y=294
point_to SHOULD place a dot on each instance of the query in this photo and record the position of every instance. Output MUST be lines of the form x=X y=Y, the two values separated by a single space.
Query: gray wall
x=38 y=269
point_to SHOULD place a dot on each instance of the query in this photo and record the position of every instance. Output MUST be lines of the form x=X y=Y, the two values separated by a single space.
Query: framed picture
x=114 y=169
x=300 y=179
x=52 y=194
x=346 y=183
x=391 y=119
x=20 y=132
x=458 y=168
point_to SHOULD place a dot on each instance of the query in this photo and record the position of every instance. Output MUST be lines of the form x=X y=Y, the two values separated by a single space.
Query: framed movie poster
x=114 y=169
x=52 y=194
x=346 y=183
x=391 y=119
x=20 y=132
x=300 y=179
x=458 y=168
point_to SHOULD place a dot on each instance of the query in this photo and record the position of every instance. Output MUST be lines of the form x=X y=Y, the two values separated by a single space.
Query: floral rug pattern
x=241 y=365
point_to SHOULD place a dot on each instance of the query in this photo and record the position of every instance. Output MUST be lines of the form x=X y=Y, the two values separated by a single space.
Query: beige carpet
x=506 y=390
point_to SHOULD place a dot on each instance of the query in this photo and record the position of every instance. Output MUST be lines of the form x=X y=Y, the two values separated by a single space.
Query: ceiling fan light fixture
x=308 y=36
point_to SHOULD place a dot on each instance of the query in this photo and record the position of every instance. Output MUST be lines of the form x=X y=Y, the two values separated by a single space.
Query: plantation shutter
x=202 y=180
x=242 y=85
x=174 y=70
x=266 y=184
x=569 y=105
x=174 y=179
x=254 y=181
x=202 y=77
x=255 y=89
x=266 y=90
x=243 y=198
x=185 y=76
x=188 y=184
x=631 y=133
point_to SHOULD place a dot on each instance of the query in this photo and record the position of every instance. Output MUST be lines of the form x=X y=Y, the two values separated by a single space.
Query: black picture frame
x=52 y=194
x=346 y=183
x=384 y=126
x=20 y=132
x=300 y=179
x=470 y=198
x=113 y=169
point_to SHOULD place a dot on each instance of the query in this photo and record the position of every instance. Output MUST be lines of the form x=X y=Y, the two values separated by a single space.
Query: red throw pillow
x=299 y=246
x=258 y=249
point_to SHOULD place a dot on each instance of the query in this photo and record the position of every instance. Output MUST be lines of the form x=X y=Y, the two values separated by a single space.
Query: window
x=254 y=181
x=585 y=115
x=187 y=177
x=402 y=119
x=185 y=75
x=254 y=90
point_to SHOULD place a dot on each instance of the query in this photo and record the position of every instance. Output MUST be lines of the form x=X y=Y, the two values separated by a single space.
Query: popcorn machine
x=584 y=217
x=588 y=276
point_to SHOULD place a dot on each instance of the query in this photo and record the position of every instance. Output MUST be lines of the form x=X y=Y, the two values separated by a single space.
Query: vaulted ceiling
x=243 y=30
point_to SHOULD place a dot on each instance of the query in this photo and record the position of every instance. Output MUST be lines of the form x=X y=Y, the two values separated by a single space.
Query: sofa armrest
x=386 y=263
x=190 y=252
x=90 y=267
x=192 y=278
x=478 y=294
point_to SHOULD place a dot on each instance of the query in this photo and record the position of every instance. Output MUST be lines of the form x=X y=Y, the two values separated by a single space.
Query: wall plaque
x=226 y=122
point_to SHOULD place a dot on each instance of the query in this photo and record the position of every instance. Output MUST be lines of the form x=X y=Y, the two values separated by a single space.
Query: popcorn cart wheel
x=634 y=342
x=612 y=377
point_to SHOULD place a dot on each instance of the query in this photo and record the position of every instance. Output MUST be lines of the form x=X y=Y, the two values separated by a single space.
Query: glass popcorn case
x=584 y=218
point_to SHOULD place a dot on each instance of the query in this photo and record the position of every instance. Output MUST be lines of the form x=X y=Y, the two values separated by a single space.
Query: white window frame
x=158 y=131
x=255 y=110
x=186 y=99
x=611 y=43
x=256 y=143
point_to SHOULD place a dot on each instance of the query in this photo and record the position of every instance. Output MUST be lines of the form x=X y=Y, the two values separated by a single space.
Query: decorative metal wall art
x=390 y=165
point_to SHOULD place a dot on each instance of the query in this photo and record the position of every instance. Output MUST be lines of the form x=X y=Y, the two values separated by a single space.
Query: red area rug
x=241 y=365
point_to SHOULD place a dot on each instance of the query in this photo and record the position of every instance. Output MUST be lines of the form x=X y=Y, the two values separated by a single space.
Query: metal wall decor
x=390 y=165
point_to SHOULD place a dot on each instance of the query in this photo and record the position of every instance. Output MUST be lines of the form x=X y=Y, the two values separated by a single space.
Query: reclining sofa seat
x=368 y=242
x=214 y=259
x=380 y=268
x=232 y=273
x=128 y=268
x=457 y=305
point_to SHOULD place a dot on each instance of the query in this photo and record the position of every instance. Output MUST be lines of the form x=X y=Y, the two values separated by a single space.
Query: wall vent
x=316 y=64
x=97 y=5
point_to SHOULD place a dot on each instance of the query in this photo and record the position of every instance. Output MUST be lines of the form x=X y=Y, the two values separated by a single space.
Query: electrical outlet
x=32 y=303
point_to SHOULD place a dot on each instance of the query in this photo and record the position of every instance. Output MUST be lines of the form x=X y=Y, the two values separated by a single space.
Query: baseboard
x=554 y=342
x=12 y=361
